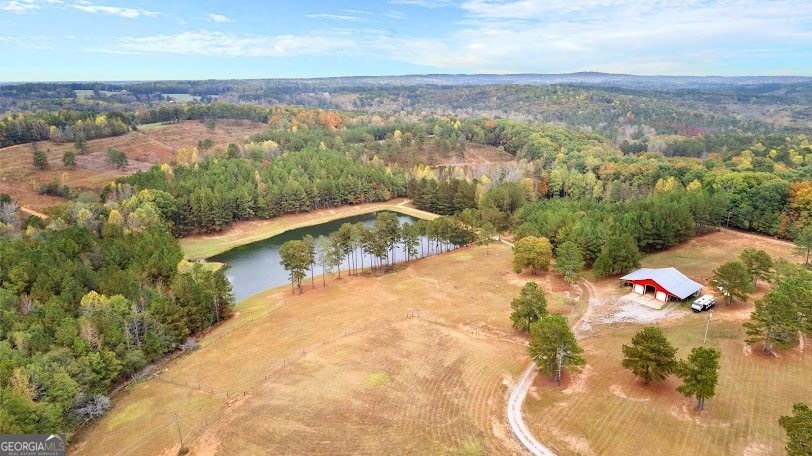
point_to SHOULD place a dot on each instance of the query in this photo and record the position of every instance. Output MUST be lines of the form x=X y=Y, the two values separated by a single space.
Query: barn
x=664 y=284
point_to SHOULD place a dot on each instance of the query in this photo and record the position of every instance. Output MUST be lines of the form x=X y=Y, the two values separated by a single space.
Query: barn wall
x=652 y=283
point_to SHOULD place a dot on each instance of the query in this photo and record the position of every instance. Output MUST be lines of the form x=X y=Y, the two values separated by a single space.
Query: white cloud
x=36 y=42
x=219 y=18
x=21 y=6
x=336 y=17
x=397 y=15
x=423 y=3
x=629 y=36
x=129 y=13
x=232 y=45
x=643 y=36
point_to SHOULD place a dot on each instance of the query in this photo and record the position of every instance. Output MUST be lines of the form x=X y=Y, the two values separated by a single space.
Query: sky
x=109 y=40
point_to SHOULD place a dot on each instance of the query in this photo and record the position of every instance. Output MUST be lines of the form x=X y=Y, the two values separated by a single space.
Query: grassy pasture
x=417 y=361
x=606 y=410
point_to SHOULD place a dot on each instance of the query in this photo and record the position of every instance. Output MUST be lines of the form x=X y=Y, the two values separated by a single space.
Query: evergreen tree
x=116 y=158
x=553 y=346
x=296 y=260
x=233 y=151
x=650 y=356
x=69 y=159
x=733 y=280
x=569 y=261
x=799 y=430
x=699 y=374
x=803 y=243
x=758 y=263
x=618 y=256
x=529 y=307
x=775 y=320
x=80 y=144
x=40 y=159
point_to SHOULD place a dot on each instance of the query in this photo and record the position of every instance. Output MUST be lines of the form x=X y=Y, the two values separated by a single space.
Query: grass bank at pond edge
x=240 y=233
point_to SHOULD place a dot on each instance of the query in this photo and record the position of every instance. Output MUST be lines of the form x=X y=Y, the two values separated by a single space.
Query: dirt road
x=514 y=414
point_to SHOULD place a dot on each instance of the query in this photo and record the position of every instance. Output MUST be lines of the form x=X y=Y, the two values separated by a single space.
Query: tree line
x=351 y=243
x=211 y=194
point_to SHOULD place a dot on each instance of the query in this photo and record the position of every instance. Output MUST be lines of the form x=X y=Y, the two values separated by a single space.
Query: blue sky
x=48 y=40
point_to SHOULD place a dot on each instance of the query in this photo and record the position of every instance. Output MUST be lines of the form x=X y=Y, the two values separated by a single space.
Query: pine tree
x=40 y=159
x=569 y=261
x=775 y=320
x=553 y=346
x=529 y=307
x=799 y=430
x=758 y=263
x=700 y=375
x=733 y=280
x=650 y=356
x=69 y=159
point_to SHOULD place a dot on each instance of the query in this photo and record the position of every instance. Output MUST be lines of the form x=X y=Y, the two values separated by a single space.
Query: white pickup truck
x=703 y=303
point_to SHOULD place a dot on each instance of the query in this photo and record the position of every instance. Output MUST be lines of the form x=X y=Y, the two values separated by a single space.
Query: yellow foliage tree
x=115 y=218
x=183 y=156
x=93 y=301
x=695 y=185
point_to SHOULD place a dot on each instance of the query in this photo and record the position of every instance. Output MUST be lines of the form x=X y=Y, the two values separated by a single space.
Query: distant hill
x=582 y=78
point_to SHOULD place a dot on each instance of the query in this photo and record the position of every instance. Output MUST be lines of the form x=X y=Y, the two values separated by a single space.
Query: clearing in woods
x=418 y=361
x=154 y=144
x=605 y=410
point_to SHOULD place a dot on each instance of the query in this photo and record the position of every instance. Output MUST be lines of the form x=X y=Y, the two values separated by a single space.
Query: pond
x=255 y=267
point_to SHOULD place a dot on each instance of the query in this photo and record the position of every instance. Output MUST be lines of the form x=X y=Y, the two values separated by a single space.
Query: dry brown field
x=417 y=361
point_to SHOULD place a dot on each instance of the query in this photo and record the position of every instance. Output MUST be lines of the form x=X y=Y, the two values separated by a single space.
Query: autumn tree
x=699 y=374
x=553 y=346
x=532 y=252
x=569 y=261
x=650 y=355
x=529 y=307
x=758 y=263
x=798 y=427
x=733 y=281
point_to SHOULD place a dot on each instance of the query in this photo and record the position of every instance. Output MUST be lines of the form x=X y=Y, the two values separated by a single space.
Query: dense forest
x=90 y=301
x=646 y=112
x=212 y=193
